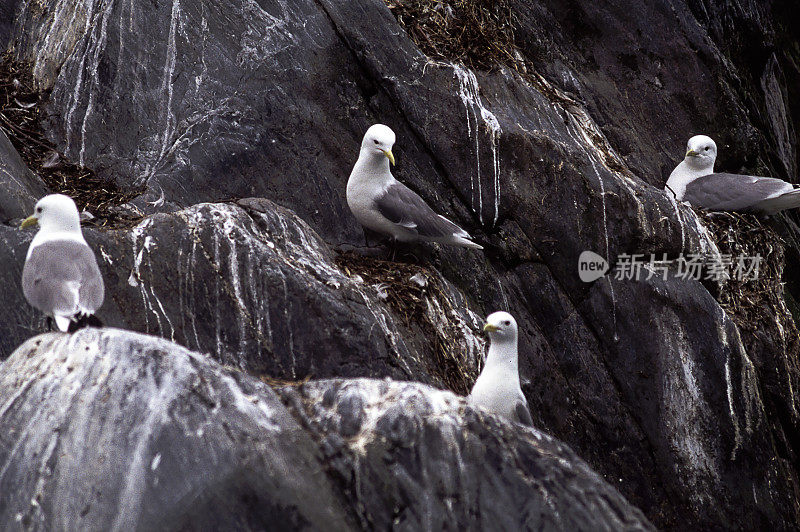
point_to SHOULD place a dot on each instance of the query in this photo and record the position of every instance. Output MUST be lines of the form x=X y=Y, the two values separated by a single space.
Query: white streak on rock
x=265 y=37
x=469 y=92
x=94 y=66
x=608 y=250
x=167 y=88
x=80 y=68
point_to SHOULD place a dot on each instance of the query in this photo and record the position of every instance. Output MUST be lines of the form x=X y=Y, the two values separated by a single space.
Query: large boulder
x=111 y=429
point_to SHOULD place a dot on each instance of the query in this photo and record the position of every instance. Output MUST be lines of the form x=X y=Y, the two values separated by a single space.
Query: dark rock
x=114 y=429
x=19 y=320
x=653 y=74
x=8 y=9
x=272 y=100
x=699 y=408
x=19 y=187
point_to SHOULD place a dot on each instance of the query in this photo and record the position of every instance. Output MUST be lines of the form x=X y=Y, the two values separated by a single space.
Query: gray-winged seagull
x=383 y=204
x=60 y=276
x=694 y=181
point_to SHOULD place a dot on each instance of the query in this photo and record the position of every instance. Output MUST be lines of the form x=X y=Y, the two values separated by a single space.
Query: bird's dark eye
x=376 y=142
x=38 y=209
x=707 y=148
x=506 y=322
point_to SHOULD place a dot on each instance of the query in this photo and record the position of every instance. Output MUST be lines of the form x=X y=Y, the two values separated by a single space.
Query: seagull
x=695 y=182
x=497 y=388
x=60 y=276
x=383 y=204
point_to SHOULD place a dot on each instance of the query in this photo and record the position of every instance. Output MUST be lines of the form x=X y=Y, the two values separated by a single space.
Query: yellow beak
x=691 y=153
x=389 y=155
x=490 y=328
x=30 y=221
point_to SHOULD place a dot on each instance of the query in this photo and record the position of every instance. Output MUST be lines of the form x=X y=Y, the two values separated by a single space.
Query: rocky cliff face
x=561 y=144
x=115 y=430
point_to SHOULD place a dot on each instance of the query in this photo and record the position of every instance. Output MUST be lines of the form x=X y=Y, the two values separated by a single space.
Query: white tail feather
x=461 y=241
x=789 y=200
x=62 y=322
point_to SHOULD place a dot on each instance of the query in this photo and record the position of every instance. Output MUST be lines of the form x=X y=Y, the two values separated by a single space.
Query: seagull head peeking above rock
x=701 y=153
x=497 y=389
x=55 y=213
x=377 y=144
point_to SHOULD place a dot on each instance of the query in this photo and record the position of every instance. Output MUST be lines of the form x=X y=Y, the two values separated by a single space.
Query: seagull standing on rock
x=60 y=276
x=497 y=388
x=694 y=181
x=383 y=204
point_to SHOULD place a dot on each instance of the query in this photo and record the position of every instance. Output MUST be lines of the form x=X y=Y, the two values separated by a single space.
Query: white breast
x=497 y=391
x=682 y=176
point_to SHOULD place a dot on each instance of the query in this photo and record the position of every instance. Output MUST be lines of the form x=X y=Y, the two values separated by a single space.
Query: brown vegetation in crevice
x=20 y=119
x=408 y=301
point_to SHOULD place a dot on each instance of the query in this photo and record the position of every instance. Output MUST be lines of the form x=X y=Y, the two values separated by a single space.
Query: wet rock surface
x=648 y=382
x=204 y=447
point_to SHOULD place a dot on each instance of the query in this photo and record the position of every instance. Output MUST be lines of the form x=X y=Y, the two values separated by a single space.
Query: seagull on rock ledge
x=60 y=276
x=694 y=181
x=497 y=388
x=383 y=204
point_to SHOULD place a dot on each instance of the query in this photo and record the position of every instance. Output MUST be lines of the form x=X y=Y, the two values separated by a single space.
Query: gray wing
x=53 y=271
x=522 y=414
x=402 y=206
x=732 y=192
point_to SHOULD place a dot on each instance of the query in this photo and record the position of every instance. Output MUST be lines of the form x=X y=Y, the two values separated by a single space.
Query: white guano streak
x=469 y=92
x=166 y=87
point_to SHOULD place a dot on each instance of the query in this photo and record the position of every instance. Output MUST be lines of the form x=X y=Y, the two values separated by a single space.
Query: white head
x=55 y=213
x=701 y=152
x=378 y=140
x=501 y=327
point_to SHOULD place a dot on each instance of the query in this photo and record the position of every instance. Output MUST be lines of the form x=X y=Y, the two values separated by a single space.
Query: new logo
x=591 y=266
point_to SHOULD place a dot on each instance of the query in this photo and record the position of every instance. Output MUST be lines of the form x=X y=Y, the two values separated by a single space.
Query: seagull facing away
x=694 y=181
x=383 y=204
x=60 y=276
x=497 y=388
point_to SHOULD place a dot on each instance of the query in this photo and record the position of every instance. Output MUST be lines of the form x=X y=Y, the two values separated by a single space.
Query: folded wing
x=402 y=206
x=734 y=192
x=61 y=277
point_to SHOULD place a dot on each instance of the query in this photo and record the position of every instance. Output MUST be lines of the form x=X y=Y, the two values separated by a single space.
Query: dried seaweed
x=757 y=306
x=478 y=33
x=408 y=300
x=21 y=118
x=281 y=383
